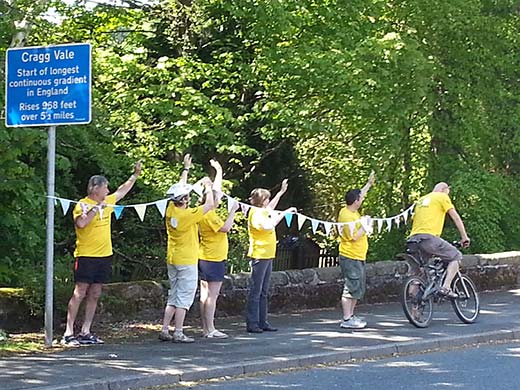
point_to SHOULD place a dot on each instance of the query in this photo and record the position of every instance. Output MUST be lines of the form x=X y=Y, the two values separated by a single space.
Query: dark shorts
x=212 y=271
x=435 y=246
x=92 y=270
x=354 y=276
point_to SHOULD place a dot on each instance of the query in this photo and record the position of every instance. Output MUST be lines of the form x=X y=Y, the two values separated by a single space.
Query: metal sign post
x=48 y=86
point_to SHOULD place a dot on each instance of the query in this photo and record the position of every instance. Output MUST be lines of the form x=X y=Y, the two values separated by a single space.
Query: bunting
x=368 y=223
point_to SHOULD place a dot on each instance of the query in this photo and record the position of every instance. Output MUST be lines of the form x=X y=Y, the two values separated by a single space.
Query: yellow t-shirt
x=94 y=240
x=429 y=213
x=262 y=243
x=183 y=238
x=358 y=249
x=213 y=244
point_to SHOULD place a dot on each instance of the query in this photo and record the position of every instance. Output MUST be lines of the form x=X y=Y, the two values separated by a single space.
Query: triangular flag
x=314 y=223
x=397 y=221
x=288 y=219
x=141 y=210
x=84 y=207
x=230 y=203
x=245 y=208
x=351 y=226
x=379 y=224
x=161 y=206
x=389 y=224
x=118 y=210
x=301 y=220
x=405 y=216
x=100 y=210
x=340 y=228
x=327 y=226
x=65 y=203
x=198 y=188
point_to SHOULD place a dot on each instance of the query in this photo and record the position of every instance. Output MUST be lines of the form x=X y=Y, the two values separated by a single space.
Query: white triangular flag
x=161 y=206
x=230 y=203
x=245 y=208
x=141 y=210
x=379 y=224
x=388 y=224
x=100 y=211
x=327 y=226
x=351 y=226
x=340 y=228
x=301 y=220
x=198 y=188
x=397 y=221
x=405 y=216
x=65 y=203
x=314 y=223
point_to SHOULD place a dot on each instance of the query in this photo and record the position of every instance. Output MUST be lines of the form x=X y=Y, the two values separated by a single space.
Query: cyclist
x=428 y=222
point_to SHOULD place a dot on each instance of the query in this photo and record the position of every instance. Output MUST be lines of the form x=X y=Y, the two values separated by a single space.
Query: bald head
x=441 y=187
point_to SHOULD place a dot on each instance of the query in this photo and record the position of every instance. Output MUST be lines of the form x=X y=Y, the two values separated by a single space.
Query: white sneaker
x=216 y=334
x=179 y=337
x=353 y=323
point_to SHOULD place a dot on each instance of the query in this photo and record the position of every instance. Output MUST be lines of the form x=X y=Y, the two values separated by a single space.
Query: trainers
x=448 y=293
x=353 y=323
x=216 y=334
x=88 y=339
x=179 y=337
x=165 y=336
x=70 y=341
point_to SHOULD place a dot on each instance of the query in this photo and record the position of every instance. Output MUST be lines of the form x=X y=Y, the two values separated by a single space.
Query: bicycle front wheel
x=418 y=311
x=467 y=304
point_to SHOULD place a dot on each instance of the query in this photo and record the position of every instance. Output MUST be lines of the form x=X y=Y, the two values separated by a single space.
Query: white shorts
x=183 y=285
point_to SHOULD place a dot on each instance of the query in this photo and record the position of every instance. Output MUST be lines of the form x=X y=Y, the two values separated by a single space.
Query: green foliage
x=319 y=92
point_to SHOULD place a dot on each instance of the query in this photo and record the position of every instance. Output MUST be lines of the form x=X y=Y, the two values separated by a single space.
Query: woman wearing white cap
x=182 y=253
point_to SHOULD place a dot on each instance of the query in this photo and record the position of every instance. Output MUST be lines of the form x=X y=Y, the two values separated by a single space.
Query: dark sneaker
x=89 y=339
x=255 y=329
x=165 y=336
x=70 y=341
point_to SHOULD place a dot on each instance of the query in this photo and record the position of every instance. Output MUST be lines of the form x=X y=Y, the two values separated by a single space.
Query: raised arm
x=217 y=182
x=123 y=189
x=366 y=187
x=186 y=169
x=454 y=215
x=274 y=201
x=228 y=224
x=209 y=204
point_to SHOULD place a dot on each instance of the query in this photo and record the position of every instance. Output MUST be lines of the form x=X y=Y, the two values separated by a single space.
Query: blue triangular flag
x=288 y=219
x=118 y=210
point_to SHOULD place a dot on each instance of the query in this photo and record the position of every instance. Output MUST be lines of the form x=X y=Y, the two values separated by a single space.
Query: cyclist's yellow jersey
x=358 y=249
x=213 y=244
x=183 y=237
x=94 y=240
x=262 y=243
x=429 y=213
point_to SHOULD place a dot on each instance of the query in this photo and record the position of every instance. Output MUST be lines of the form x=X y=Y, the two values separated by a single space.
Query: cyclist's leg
x=451 y=256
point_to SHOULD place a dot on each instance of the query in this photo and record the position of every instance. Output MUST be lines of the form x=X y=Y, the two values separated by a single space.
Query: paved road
x=304 y=339
x=483 y=367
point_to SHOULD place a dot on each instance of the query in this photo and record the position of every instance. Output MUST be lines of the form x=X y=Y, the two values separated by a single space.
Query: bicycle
x=421 y=290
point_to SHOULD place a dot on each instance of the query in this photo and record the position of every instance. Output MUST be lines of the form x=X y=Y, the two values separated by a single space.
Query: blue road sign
x=48 y=85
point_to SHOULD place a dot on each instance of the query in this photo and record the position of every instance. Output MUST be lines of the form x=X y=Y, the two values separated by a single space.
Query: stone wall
x=290 y=290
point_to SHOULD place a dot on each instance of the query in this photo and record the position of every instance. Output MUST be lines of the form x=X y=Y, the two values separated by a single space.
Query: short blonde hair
x=258 y=196
x=96 y=181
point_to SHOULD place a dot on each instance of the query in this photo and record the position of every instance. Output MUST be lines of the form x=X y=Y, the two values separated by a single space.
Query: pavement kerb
x=137 y=381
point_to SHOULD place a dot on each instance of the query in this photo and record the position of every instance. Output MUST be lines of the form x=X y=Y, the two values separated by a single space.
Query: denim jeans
x=258 y=291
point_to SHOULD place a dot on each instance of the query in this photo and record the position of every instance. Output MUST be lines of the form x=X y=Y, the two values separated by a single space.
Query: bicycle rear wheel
x=467 y=305
x=418 y=311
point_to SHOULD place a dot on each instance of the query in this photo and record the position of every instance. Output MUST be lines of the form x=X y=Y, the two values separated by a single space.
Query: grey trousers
x=258 y=291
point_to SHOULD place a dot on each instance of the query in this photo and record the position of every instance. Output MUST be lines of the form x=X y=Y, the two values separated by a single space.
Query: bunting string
x=368 y=223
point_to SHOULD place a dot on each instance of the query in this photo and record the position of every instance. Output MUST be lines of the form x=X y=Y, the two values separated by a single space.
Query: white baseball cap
x=179 y=190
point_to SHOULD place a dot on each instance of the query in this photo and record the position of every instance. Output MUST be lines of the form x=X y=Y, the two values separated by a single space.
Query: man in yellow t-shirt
x=182 y=253
x=353 y=250
x=428 y=222
x=93 y=253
